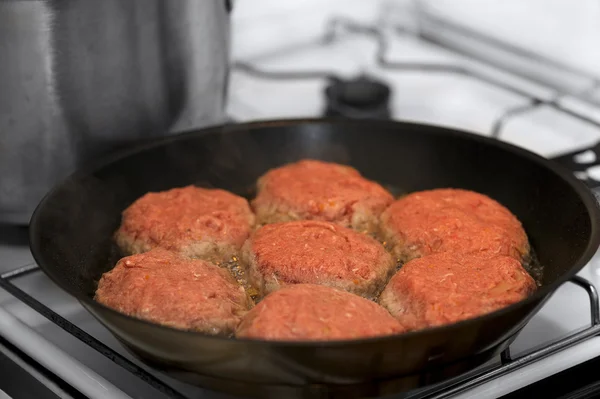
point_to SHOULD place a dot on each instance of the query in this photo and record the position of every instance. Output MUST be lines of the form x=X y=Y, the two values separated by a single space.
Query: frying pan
x=72 y=227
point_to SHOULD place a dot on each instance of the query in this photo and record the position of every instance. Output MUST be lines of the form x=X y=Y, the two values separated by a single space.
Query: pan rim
x=587 y=197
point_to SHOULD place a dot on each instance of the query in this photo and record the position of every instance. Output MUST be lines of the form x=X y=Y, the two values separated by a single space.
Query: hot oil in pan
x=236 y=270
x=533 y=267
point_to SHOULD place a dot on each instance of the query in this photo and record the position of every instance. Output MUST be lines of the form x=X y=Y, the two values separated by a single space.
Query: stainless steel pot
x=79 y=78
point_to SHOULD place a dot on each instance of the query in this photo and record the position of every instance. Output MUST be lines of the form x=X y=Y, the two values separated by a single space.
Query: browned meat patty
x=446 y=288
x=305 y=312
x=451 y=220
x=161 y=287
x=210 y=224
x=317 y=253
x=316 y=190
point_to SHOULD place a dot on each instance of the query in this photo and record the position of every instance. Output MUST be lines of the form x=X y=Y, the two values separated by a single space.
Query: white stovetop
x=439 y=99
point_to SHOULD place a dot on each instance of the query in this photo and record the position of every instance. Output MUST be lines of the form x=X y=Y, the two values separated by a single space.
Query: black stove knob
x=359 y=98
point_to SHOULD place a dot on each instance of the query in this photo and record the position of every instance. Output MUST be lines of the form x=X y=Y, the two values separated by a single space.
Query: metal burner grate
x=445 y=389
x=336 y=30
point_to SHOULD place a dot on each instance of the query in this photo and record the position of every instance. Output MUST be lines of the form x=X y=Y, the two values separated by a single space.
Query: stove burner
x=359 y=98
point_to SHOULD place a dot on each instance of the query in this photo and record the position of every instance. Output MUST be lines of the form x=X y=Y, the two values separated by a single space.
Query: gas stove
x=385 y=68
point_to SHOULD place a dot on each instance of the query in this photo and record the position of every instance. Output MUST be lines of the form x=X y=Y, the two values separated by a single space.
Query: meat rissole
x=164 y=288
x=317 y=190
x=213 y=224
x=448 y=287
x=210 y=224
x=316 y=252
x=452 y=220
x=306 y=312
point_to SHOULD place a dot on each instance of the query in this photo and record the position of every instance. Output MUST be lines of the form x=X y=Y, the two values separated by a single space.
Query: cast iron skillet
x=72 y=227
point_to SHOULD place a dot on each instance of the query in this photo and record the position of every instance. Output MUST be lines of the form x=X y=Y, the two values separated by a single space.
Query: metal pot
x=79 y=78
